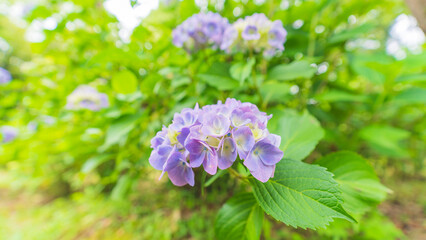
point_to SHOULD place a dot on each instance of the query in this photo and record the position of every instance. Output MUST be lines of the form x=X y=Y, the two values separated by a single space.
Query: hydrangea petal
x=227 y=153
x=216 y=125
x=268 y=153
x=244 y=140
x=182 y=174
x=210 y=163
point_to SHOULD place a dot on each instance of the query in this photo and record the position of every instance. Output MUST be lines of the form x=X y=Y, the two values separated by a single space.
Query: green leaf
x=240 y=218
x=119 y=130
x=411 y=95
x=385 y=140
x=220 y=82
x=294 y=70
x=350 y=33
x=241 y=71
x=124 y=82
x=341 y=96
x=218 y=77
x=371 y=75
x=122 y=188
x=299 y=133
x=410 y=78
x=275 y=91
x=94 y=162
x=211 y=180
x=360 y=186
x=301 y=195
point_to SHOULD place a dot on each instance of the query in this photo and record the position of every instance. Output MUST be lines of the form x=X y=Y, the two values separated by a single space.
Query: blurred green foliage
x=365 y=100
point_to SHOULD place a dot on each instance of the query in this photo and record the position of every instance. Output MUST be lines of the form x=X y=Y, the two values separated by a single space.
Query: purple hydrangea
x=87 y=97
x=255 y=33
x=5 y=76
x=8 y=133
x=213 y=137
x=201 y=30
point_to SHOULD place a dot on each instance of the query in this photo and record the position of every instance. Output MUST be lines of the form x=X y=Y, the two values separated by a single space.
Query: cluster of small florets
x=87 y=97
x=8 y=133
x=214 y=136
x=200 y=31
x=5 y=76
x=254 y=33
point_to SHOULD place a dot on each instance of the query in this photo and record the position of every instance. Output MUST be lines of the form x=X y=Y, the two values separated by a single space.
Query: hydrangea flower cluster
x=8 y=133
x=5 y=76
x=87 y=97
x=214 y=136
x=256 y=33
x=200 y=31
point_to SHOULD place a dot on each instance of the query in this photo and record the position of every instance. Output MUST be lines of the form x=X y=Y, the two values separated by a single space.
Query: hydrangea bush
x=255 y=33
x=200 y=31
x=214 y=136
x=87 y=97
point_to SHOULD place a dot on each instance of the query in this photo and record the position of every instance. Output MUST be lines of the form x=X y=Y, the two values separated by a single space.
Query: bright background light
x=128 y=16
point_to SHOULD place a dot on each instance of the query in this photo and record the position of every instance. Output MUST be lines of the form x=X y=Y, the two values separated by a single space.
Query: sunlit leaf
x=299 y=133
x=124 y=82
x=294 y=70
x=360 y=186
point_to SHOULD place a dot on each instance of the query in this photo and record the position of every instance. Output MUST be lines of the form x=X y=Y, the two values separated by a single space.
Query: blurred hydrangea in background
x=8 y=133
x=87 y=97
x=255 y=33
x=213 y=137
x=200 y=31
x=5 y=76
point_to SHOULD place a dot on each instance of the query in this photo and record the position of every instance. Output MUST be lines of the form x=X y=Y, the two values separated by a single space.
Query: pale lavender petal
x=181 y=175
x=210 y=163
x=258 y=169
x=264 y=174
x=189 y=176
x=239 y=118
x=253 y=163
x=197 y=159
x=268 y=153
x=216 y=125
x=197 y=152
x=183 y=135
x=227 y=153
x=274 y=139
x=244 y=140
x=174 y=159
x=159 y=156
